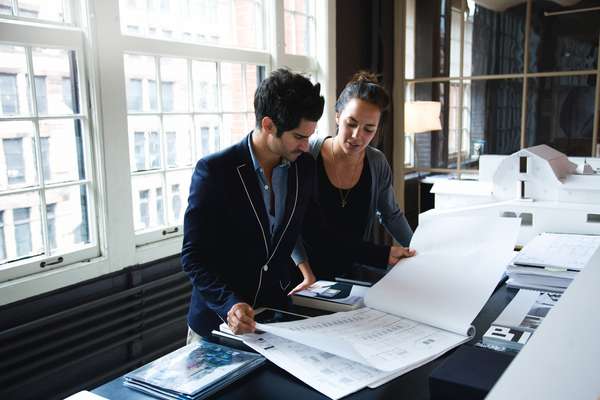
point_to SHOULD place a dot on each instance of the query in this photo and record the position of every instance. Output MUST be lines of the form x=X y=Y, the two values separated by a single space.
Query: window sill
x=32 y=285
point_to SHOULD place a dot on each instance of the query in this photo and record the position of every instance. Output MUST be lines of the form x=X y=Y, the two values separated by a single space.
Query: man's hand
x=398 y=252
x=307 y=274
x=240 y=319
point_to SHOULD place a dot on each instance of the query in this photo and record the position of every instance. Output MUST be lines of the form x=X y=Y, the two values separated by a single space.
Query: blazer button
x=265 y=267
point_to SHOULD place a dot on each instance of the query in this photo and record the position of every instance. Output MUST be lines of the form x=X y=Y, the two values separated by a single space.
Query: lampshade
x=422 y=116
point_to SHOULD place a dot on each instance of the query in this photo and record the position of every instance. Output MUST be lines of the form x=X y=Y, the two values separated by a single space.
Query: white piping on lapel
x=253 y=209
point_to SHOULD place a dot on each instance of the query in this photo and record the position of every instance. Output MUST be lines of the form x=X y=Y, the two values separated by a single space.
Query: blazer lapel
x=249 y=181
x=291 y=200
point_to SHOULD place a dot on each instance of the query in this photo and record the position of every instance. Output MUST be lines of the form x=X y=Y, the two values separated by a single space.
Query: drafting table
x=271 y=382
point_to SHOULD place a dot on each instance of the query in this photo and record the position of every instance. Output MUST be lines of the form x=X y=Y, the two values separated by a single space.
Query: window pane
x=62 y=150
x=49 y=10
x=144 y=142
x=70 y=213
x=250 y=122
x=144 y=192
x=431 y=38
x=22 y=222
x=491 y=118
x=236 y=23
x=21 y=225
x=14 y=93
x=41 y=94
x=51 y=218
x=566 y=42
x=494 y=39
x=204 y=75
x=208 y=134
x=299 y=26
x=17 y=162
x=560 y=113
x=235 y=126
x=134 y=95
x=174 y=84
x=178 y=132
x=160 y=206
x=178 y=183
x=254 y=75
x=53 y=69
x=154 y=149
x=140 y=75
x=2 y=240
x=232 y=91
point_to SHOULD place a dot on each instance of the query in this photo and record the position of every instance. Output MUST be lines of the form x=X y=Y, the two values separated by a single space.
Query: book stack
x=331 y=296
x=515 y=325
x=551 y=261
x=193 y=372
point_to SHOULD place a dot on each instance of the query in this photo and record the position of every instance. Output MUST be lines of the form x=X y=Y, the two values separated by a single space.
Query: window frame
x=404 y=32
x=95 y=34
x=69 y=38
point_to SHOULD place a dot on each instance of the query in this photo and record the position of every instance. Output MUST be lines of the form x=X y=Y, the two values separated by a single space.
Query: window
x=215 y=95
x=15 y=163
x=144 y=208
x=182 y=101
x=37 y=117
x=231 y=23
x=493 y=102
x=51 y=217
x=8 y=94
x=22 y=231
x=300 y=27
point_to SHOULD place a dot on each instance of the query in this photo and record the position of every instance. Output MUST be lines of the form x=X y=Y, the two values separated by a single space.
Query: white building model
x=547 y=190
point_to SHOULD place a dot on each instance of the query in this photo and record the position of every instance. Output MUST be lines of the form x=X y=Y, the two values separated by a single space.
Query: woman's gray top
x=382 y=195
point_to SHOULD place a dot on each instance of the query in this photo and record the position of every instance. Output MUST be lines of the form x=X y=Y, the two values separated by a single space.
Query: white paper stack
x=551 y=261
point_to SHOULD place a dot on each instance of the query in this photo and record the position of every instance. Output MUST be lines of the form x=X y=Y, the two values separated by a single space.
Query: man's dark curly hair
x=287 y=98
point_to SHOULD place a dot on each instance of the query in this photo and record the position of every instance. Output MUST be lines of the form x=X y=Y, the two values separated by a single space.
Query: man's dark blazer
x=228 y=251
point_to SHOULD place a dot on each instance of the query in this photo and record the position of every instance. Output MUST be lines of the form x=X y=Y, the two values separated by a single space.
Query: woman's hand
x=398 y=252
x=307 y=274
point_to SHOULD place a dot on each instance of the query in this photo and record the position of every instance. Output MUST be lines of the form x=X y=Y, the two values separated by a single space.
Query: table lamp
x=421 y=116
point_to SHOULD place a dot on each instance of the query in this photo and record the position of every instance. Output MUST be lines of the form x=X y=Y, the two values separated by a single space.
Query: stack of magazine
x=551 y=261
x=193 y=372
x=516 y=324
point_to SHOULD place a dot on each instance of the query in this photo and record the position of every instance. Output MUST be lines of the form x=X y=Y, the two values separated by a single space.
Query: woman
x=355 y=184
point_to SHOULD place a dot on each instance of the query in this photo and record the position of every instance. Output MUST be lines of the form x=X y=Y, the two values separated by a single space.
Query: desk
x=271 y=382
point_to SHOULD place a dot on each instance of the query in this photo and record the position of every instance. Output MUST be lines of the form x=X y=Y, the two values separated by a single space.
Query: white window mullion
x=37 y=149
x=114 y=151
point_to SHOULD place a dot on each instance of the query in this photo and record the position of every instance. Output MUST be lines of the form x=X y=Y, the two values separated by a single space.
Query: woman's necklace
x=343 y=196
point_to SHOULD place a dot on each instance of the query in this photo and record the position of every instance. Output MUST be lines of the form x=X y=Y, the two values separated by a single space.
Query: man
x=246 y=207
